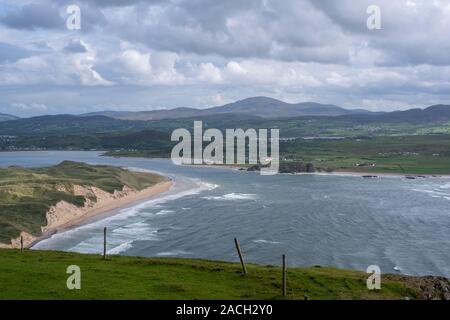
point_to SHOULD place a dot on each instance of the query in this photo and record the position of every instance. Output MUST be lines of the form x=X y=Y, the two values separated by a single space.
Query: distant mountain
x=101 y=132
x=61 y=124
x=176 y=113
x=7 y=117
x=107 y=113
x=258 y=107
x=272 y=108
x=436 y=113
x=253 y=113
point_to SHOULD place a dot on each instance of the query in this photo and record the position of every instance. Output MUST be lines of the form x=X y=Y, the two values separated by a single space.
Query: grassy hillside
x=42 y=275
x=27 y=194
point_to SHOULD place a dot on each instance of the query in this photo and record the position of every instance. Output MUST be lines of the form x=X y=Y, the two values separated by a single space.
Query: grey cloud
x=351 y=16
x=10 y=53
x=413 y=32
x=34 y=16
x=75 y=46
x=51 y=14
x=324 y=31
x=112 y=3
x=286 y=31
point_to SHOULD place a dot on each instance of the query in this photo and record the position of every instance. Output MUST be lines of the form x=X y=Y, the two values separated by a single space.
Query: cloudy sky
x=148 y=54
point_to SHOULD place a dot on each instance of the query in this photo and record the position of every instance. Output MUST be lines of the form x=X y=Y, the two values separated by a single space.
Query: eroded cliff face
x=63 y=212
x=15 y=243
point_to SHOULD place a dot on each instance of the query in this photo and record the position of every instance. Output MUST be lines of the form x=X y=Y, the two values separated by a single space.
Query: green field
x=42 y=275
x=27 y=194
x=411 y=154
x=409 y=142
x=428 y=154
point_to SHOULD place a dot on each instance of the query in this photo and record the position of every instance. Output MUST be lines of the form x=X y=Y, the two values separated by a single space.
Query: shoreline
x=374 y=175
x=334 y=173
x=107 y=209
x=102 y=209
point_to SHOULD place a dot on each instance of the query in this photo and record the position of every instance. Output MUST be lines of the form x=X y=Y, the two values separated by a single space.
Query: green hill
x=42 y=275
x=27 y=194
x=7 y=117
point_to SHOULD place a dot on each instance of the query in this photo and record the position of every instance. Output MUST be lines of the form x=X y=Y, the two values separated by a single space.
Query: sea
x=401 y=225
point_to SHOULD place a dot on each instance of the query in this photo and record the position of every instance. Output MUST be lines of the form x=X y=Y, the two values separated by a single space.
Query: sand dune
x=64 y=215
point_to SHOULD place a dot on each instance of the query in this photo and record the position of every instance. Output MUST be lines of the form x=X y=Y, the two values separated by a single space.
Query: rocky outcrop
x=428 y=287
x=296 y=167
x=290 y=167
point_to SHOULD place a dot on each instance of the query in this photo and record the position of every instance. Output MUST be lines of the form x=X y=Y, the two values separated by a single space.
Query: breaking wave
x=233 y=196
x=437 y=192
x=122 y=235
x=121 y=248
x=266 y=241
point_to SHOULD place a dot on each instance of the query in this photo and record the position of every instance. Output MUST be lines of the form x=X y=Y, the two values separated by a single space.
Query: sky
x=152 y=54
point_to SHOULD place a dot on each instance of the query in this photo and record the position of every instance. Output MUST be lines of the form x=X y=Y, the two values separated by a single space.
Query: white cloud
x=31 y=107
x=136 y=63
x=209 y=73
x=235 y=68
x=337 y=79
x=54 y=67
x=216 y=99
x=87 y=75
x=147 y=68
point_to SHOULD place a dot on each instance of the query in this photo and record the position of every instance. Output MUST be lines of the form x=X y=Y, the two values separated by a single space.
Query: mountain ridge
x=101 y=122
x=259 y=107
x=7 y=117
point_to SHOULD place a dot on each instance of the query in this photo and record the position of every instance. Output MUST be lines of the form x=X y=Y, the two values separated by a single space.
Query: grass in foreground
x=42 y=275
x=27 y=194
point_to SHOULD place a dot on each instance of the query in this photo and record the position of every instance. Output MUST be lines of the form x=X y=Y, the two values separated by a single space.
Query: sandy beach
x=64 y=216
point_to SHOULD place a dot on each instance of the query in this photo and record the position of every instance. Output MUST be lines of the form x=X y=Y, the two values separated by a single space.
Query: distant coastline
x=332 y=173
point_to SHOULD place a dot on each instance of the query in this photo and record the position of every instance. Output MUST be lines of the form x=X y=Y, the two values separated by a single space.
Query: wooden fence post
x=104 y=243
x=238 y=248
x=284 y=276
x=21 y=244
